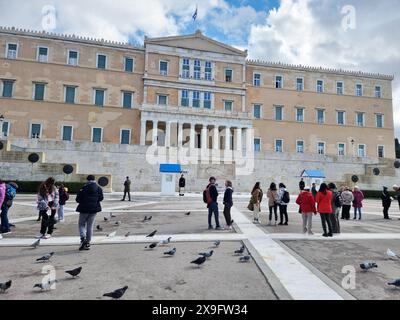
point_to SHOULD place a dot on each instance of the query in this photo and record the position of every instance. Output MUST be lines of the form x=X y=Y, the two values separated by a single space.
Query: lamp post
x=1 y=126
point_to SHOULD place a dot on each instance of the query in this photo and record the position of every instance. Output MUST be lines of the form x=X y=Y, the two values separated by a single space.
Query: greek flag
x=194 y=17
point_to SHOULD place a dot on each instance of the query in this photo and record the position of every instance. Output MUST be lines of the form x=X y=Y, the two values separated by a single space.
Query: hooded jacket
x=89 y=198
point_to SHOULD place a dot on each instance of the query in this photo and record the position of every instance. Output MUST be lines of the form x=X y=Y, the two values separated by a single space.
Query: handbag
x=250 y=206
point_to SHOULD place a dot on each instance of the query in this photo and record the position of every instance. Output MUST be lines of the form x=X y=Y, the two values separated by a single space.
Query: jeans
x=213 y=208
x=326 y=220
x=60 y=213
x=355 y=213
x=307 y=222
x=335 y=221
x=47 y=225
x=127 y=193
x=5 y=226
x=283 y=213
x=86 y=223
x=275 y=208
x=227 y=214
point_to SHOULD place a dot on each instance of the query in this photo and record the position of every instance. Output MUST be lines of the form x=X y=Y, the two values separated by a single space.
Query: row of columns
x=192 y=135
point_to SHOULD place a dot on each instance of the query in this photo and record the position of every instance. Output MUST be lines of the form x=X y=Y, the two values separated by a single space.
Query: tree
x=397 y=147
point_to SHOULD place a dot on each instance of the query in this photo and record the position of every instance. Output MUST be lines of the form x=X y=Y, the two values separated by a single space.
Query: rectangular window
x=128 y=64
x=321 y=148
x=162 y=100
x=228 y=106
x=300 y=114
x=101 y=61
x=320 y=116
x=257 y=111
x=339 y=88
x=185 y=98
x=257 y=144
x=341 y=149
x=39 y=91
x=164 y=68
x=43 y=54
x=125 y=136
x=228 y=75
x=320 y=86
x=359 y=90
x=278 y=113
x=196 y=99
x=300 y=146
x=97 y=135
x=5 y=129
x=7 y=88
x=208 y=71
x=36 y=130
x=12 y=49
x=299 y=84
x=197 y=69
x=185 y=68
x=381 y=151
x=379 y=120
x=341 y=118
x=378 y=92
x=127 y=98
x=361 y=150
x=257 y=79
x=70 y=94
x=207 y=100
x=278 y=145
x=278 y=82
x=99 y=97
x=360 y=119
x=67 y=133
x=73 y=58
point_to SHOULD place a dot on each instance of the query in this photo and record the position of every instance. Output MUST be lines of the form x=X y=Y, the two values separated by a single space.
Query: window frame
x=2 y=133
x=204 y=99
x=228 y=101
x=34 y=91
x=342 y=93
x=380 y=91
x=363 y=124
x=163 y=95
x=132 y=93
x=302 y=84
x=323 y=113
x=97 y=61
x=254 y=144
x=62 y=132
x=225 y=75
x=206 y=72
x=362 y=89
x=92 y=134
x=254 y=79
x=3 y=87
x=344 y=117
x=130 y=136
x=66 y=86
x=344 y=149
x=304 y=146
x=324 y=143
x=159 y=67
x=104 y=97
x=295 y=114
x=383 y=149
x=323 y=86
x=275 y=81
x=376 y=120
x=282 y=114
x=133 y=64
x=77 y=57
x=261 y=111
x=275 y=145
x=358 y=150
x=30 y=129
x=16 y=53
x=38 y=53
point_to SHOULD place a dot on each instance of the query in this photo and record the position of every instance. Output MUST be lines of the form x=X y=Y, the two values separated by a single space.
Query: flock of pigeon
x=366 y=266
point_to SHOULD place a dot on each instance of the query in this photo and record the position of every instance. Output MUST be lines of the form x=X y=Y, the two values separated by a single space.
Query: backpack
x=207 y=196
x=338 y=201
x=10 y=195
x=286 y=197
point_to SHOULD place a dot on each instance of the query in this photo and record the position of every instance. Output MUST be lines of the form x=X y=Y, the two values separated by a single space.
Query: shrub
x=33 y=186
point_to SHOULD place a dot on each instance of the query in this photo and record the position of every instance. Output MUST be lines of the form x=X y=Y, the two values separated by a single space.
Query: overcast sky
x=308 y=32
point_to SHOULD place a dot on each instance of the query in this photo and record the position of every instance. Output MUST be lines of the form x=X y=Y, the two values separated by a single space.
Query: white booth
x=168 y=178
x=313 y=176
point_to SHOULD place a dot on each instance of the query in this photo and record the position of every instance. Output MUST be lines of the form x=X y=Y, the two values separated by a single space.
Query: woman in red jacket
x=324 y=200
x=306 y=202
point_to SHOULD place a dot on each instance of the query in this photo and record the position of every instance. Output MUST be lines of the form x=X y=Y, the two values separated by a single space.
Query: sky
x=348 y=34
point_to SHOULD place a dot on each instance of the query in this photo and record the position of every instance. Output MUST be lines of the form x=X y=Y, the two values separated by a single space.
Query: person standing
x=228 y=203
x=306 y=202
x=182 y=184
x=336 y=206
x=314 y=190
x=324 y=202
x=47 y=199
x=2 y=197
x=273 y=200
x=386 y=203
x=347 y=198
x=210 y=196
x=283 y=200
x=88 y=199
x=396 y=189
x=255 y=202
x=64 y=197
x=357 y=202
x=302 y=184
x=127 y=189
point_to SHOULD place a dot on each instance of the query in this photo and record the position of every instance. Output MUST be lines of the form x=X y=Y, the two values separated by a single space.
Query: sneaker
x=285 y=224
x=86 y=246
x=61 y=220
x=228 y=228
x=82 y=246
x=210 y=228
x=40 y=236
x=218 y=228
x=330 y=235
x=325 y=235
x=46 y=236
x=354 y=218
x=280 y=224
x=6 y=232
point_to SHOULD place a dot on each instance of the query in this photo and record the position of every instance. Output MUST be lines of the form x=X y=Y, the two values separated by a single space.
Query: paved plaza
x=285 y=264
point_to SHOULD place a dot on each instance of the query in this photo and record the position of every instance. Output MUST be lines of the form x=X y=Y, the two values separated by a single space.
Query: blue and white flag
x=194 y=17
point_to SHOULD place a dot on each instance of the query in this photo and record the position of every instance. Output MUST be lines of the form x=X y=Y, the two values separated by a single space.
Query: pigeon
x=5 y=286
x=395 y=283
x=217 y=243
x=207 y=254
x=147 y=218
x=46 y=257
x=188 y=213
x=118 y=223
x=99 y=228
x=112 y=216
x=74 y=272
x=151 y=234
x=199 y=261
x=240 y=251
x=153 y=245
x=368 y=265
x=391 y=254
x=127 y=235
x=166 y=241
x=244 y=259
x=171 y=252
x=112 y=234
x=45 y=286
x=35 y=244
x=117 y=293
x=105 y=219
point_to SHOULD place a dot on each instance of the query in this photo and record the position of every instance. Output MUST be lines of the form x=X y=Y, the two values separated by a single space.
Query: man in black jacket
x=212 y=204
x=386 y=202
x=182 y=184
x=89 y=198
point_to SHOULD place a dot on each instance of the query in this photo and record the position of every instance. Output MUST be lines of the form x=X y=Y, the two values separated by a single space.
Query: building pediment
x=196 y=41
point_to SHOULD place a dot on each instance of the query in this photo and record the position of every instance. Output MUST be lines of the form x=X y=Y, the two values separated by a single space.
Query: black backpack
x=338 y=201
x=286 y=197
